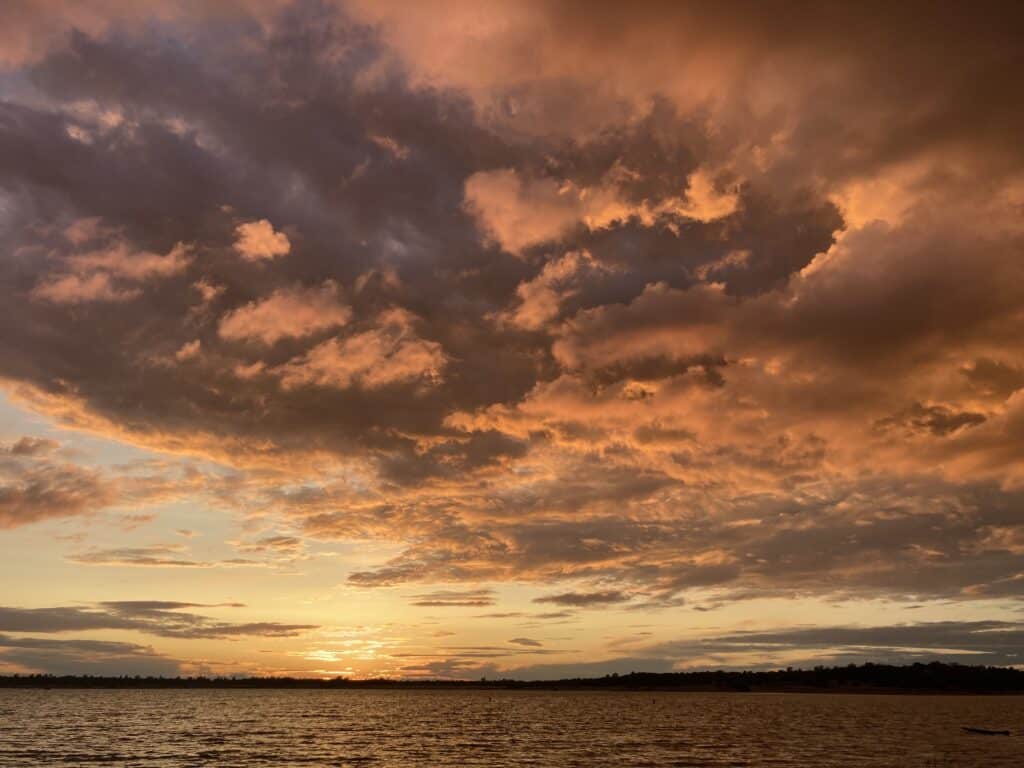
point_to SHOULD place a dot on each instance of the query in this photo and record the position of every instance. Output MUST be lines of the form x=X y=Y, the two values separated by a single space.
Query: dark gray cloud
x=936 y=419
x=60 y=620
x=152 y=617
x=85 y=657
x=994 y=377
x=221 y=131
x=105 y=182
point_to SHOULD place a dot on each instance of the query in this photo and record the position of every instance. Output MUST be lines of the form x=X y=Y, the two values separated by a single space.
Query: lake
x=497 y=728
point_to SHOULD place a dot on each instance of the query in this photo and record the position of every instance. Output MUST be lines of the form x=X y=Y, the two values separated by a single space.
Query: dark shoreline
x=915 y=679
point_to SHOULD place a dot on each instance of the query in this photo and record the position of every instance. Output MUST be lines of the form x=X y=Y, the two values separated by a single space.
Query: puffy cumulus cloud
x=75 y=289
x=286 y=313
x=135 y=266
x=112 y=273
x=257 y=240
x=188 y=351
x=519 y=213
x=666 y=302
x=539 y=300
x=389 y=353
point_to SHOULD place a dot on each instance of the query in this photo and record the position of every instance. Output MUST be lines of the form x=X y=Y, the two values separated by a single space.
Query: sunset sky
x=538 y=339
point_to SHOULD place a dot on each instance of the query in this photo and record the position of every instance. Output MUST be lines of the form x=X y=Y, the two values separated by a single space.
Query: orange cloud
x=518 y=213
x=650 y=302
x=113 y=273
x=387 y=354
x=257 y=241
x=286 y=313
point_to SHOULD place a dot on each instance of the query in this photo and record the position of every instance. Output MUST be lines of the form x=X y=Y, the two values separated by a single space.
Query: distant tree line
x=934 y=677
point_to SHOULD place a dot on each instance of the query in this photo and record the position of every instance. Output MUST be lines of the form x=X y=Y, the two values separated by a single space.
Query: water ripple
x=488 y=729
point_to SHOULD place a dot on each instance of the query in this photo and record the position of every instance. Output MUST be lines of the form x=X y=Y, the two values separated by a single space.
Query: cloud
x=525 y=641
x=472 y=598
x=37 y=485
x=937 y=419
x=994 y=377
x=58 y=620
x=988 y=642
x=585 y=599
x=286 y=313
x=48 y=492
x=113 y=273
x=519 y=213
x=391 y=353
x=257 y=240
x=120 y=261
x=159 y=618
x=188 y=351
x=84 y=657
x=157 y=556
x=32 y=446
x=540 y=299
x=288 y=545
x=661 y=298
x=73 y=289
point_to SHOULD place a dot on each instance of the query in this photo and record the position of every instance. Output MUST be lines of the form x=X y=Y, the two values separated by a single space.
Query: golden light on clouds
x=509 y=338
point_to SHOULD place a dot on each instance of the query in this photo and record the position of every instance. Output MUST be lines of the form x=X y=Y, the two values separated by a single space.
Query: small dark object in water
x=985 y=731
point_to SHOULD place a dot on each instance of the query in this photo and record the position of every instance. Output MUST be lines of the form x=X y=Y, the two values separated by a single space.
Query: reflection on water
x=498 y=728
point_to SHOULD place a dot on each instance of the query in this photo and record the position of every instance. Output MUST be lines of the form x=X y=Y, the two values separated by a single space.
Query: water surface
x=164 y=728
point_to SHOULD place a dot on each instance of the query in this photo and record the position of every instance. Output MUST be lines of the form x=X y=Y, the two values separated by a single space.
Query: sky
x=530 y=339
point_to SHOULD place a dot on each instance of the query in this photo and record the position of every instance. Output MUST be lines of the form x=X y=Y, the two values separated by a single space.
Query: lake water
x=497 y=728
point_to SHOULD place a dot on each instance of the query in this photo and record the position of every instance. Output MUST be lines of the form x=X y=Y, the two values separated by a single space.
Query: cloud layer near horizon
x=624 y=301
